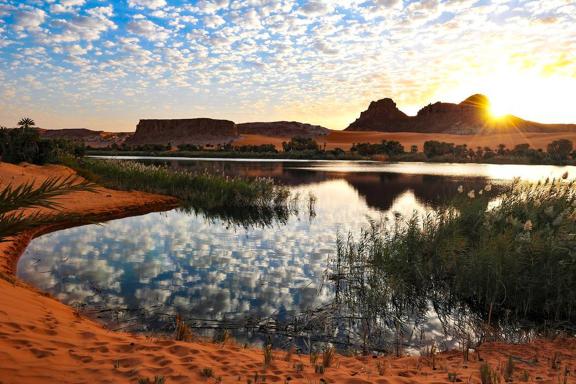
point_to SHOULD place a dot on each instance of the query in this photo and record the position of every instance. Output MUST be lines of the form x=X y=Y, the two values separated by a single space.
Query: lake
x=137 y=273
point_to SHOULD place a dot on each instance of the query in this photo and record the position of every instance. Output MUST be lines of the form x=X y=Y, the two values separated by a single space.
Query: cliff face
x=471 y=116
x=283 y=129
x=184 y=131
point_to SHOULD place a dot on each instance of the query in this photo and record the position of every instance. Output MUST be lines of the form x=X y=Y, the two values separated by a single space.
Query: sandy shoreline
x=345 y=139
x=44 y=341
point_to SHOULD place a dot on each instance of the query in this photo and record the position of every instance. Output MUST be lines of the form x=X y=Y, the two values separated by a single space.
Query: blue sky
x=105 y=64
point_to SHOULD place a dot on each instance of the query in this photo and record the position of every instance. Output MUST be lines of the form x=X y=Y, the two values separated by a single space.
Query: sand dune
x=45 y=341
x=345 y=139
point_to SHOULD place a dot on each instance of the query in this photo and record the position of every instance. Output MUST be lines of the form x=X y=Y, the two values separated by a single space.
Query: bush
x=25 y=145
x=435 y=148
x=386 y=147
x=263 y=148
x=559 y=150
x=300 y=144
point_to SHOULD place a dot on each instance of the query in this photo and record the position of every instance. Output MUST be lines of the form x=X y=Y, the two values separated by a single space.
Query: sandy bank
x=45 y=341
x=345 y=139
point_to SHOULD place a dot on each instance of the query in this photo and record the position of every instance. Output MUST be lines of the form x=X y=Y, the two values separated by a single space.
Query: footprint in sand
x=82 y=358
x=179 y=350
x=40 y=353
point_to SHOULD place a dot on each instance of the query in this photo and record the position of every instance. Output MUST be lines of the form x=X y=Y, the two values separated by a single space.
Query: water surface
x=137 y=273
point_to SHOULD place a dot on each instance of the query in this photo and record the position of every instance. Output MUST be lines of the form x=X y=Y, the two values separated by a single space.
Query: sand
x=345 y=139
x=45 y=341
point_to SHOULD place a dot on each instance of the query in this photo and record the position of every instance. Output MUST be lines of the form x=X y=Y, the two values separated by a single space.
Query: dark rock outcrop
x=283 y=129
x=184 y=131
x=471 y=116
x=381 y=115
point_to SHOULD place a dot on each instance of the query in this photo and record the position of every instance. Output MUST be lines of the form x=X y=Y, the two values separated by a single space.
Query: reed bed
x=498 y=261
x=236 y=200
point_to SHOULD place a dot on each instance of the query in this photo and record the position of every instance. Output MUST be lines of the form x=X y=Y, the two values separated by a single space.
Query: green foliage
x=263 y=148
x=235 y=200
x=26 y=122
x=148 y=147
x=560 y=149
x=510 y=262
x=189 y=147
x=300 y=144
x=386 y=147
x=14 y=199
x=435 y=148
x=25 y=145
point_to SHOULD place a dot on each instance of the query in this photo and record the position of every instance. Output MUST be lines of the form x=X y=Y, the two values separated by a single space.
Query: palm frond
x=14 y=199
x=28 y=195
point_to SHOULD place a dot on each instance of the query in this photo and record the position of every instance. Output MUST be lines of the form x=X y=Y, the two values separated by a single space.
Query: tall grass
x=506 y=259
x=236 y=200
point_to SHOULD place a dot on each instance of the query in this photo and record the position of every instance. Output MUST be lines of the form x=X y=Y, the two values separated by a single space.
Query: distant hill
x=94 y=139
x=471 y=116
x=282 y=129
x=201 y=131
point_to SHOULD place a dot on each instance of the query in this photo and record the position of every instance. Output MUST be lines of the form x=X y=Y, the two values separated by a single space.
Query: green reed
x=507 y=259
x=236 y=200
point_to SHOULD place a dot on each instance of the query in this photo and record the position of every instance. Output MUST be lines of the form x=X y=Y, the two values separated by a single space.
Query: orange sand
x=345 y=139
x=45 y=341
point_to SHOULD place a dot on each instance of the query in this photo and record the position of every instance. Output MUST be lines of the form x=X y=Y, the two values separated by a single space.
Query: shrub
x=25 y=145
x=433 y=148
x=386 y=147
x=300 y=144
x=559 y=150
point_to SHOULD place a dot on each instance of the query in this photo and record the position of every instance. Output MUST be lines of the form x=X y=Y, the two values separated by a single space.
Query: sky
x=105 y=64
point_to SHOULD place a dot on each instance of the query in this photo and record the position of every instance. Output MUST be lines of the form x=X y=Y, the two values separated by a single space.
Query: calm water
x=139 y=272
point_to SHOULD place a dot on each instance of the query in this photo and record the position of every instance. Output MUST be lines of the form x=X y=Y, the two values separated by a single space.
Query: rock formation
x=283 y=129
x=184 y=131
x=381 y=115
x=471 y=116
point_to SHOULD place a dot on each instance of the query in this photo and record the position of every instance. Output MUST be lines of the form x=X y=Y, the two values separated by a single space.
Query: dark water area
x=138 y=273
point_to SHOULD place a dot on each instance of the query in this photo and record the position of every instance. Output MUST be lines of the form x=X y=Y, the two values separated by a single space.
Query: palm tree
x=26 y=122
x=14 y=199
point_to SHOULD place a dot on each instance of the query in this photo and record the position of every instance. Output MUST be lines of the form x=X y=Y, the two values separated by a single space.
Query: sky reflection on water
x=180 y=263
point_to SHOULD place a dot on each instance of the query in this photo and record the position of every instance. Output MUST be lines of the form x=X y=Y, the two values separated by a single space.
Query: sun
x=526 y=92
x=497 y=110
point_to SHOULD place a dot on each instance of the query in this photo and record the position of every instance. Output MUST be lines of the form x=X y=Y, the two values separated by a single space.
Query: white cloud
x=147 y=29
x=213 y=21
x=66 y=6
x=29 y=19
x=151 y=4
x=89 y=27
